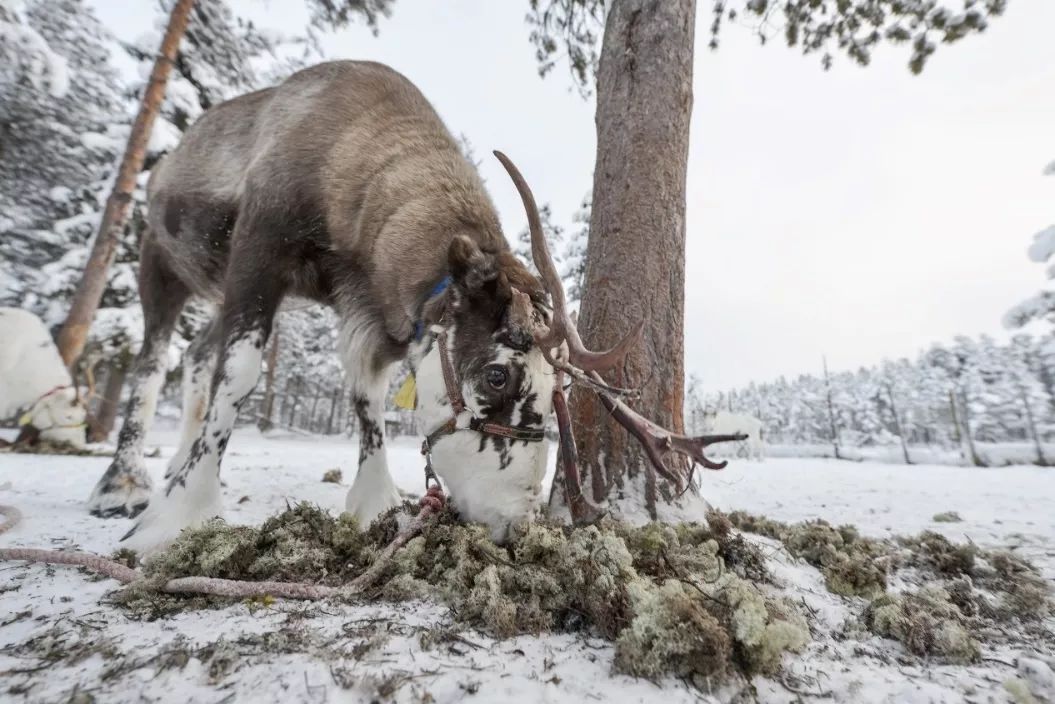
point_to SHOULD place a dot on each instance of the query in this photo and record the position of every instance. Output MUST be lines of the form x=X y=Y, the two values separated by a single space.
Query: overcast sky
x=855 y=213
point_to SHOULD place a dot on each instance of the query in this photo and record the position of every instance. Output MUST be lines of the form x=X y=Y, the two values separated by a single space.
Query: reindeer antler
x=561 y=329
x=584 y=365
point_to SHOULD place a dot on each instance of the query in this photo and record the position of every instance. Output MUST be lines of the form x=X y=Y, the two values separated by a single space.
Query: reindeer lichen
x=851 y=565
x=674 y=599
x=926 y=622
x=936 y=552
x=672 y=632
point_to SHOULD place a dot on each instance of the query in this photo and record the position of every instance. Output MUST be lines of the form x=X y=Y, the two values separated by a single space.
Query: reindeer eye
x=497 y=377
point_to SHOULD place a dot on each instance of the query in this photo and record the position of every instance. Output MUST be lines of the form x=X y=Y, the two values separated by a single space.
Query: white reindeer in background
x=725 y=422
x=34 y=381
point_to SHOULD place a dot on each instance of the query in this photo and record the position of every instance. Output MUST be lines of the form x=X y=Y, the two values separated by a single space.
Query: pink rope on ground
x=96 y=563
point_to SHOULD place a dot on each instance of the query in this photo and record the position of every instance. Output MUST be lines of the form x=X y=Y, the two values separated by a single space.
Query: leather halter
x=454 y=394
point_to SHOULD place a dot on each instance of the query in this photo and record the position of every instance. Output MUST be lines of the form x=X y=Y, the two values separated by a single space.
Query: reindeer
x=34 y=380
x=342 y=185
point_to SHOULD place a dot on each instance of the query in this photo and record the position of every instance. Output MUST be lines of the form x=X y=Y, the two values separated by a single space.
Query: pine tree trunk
x=635 y=261
x=267 y=405
x=106 y=412
x=897 y=424
x=1041 y=459
x=831 y=412
x=963 y=430
x=312 y=418
x=333 y=408
x=74 y=332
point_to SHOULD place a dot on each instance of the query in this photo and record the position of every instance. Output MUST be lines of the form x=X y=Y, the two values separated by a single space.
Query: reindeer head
x=493 y=366
x=60 y=416
x=496 y=380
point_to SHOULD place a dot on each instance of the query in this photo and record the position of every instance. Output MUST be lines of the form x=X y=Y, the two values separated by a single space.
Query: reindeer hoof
x=170 y=513
x=120 y=494
x=120 y=511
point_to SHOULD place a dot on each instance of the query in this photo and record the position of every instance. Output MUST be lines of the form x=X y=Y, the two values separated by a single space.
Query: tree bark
x=74 y=332
x=106 y=412
x=635 y=261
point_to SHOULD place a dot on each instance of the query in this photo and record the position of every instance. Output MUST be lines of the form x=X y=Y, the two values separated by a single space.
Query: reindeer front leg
x=373 y=492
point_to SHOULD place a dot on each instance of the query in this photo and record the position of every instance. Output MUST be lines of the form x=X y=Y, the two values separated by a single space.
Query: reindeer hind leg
x=124 y=489
x=254 y=288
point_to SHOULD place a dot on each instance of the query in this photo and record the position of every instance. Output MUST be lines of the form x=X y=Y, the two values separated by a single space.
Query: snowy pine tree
x=554 y=237
x=573 y=272
x=56 y=147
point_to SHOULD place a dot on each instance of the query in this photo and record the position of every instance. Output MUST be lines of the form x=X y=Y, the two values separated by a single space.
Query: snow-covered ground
x=292 y=652
x=991 y=454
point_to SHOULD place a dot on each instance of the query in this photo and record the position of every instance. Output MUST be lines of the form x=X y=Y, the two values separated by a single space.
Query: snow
x=366 y=651
x=102 y=142
x=993 y=454
x=1043 y=245
x=29 y=54
x=164 y=137
x=60 y=194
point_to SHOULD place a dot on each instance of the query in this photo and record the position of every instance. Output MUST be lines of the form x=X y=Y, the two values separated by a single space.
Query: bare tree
x=961 y=421
x=831 y=411
x=74 y=332
x=897 y=422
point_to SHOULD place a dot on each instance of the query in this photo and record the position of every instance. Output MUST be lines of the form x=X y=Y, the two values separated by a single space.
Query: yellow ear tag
x=25 y=418
x=407 y=396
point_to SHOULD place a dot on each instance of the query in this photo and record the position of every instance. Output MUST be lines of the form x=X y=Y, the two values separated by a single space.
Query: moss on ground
x=927 y=622
x=677 y=600
x=689 y=600
x=971 y=589
x=851 y=565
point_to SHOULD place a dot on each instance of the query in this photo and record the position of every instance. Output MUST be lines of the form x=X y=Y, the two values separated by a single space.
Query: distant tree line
x=974 y=390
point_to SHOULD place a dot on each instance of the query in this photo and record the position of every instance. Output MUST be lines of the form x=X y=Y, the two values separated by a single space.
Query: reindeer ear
x=472 y=269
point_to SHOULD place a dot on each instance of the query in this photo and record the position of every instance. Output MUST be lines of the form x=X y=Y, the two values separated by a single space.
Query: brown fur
x=345 y=170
